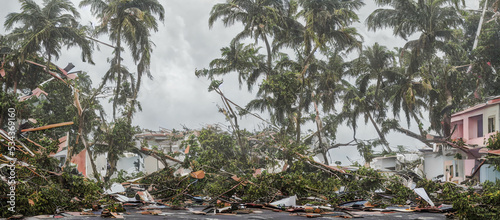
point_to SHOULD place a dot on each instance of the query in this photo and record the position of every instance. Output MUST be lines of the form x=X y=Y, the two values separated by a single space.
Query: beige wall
x=152 y=165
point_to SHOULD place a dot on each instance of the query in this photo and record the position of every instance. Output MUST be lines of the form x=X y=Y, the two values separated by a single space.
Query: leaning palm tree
x=128 y=22
x=47 y=29
x=407 y=93
x=362 y=102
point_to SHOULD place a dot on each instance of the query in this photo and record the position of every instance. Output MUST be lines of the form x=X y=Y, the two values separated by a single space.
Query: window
x=476 y=126
x=480 y=127
x=491 y=124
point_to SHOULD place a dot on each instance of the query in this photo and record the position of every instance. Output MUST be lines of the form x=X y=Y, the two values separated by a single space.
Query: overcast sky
x=175 y=96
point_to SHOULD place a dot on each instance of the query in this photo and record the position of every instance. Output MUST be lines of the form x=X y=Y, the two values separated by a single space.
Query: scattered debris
x=151 y=212
x=200 y=174
x=421 y=192
x=144 y=196
x=115 y=188
x=290 y=201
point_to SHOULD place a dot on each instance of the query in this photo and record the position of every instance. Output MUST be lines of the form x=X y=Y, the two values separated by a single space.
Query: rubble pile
x=224 y=179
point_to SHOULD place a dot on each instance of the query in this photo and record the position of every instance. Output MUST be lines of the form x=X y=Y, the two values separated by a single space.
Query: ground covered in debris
x=255 y=214
x=243 y=185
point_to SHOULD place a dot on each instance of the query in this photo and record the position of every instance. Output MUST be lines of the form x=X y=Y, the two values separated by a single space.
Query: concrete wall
x=127 y=164
x=100 y=163
x=381 y=163
x=152 y=165
x=469 y=166
x=489 y=173
x=434 y=165
x=493 y=111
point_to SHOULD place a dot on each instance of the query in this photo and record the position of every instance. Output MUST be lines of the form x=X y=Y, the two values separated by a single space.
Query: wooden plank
x=48 y=126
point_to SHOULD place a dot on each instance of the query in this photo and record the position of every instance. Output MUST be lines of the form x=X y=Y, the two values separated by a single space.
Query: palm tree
x=260 y=18
x=326 y=26
x=244 y=59
x=47 y=29
x=129 y=22
x=407 y=92
x=327 y=89
x=328 y=22
x=358 y=102
x=451 y=89
x=287 y=90
x=433 y=19
x=374 y=63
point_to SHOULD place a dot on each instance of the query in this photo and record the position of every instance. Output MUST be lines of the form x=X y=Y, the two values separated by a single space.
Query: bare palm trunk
x=419 y=122
x=134 y=99
x=302 y=75
x=269 y=56
x=15 y=86
x=382 y=136
x=447 y=114
x=298 y=119
x=16 y=81
x=319 y=127
x=379 y=80
x=118 y=74
x=324 y=152
x=478 y=32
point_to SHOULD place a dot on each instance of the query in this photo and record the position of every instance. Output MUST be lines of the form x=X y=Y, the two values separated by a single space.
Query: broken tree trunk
x=91 y=158
x=159 y=156
x=414 y=135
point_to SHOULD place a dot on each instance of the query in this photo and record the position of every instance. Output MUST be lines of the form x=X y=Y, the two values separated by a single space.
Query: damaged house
x=163 y=142
x=154 y=147
x=471 y=129
x=398 y=162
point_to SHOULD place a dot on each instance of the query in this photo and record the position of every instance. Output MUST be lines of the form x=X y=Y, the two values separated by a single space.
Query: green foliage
x=116 y=139
x=36 y=196
x=123 y=176
x=401 y=193
x=211 y=149
x=473 y=205
x=279 y=96
x=493 y=143
x=366 y=151
x=116 y=207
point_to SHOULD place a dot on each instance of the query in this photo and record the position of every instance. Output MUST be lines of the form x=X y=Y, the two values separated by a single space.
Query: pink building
x=474 y=125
